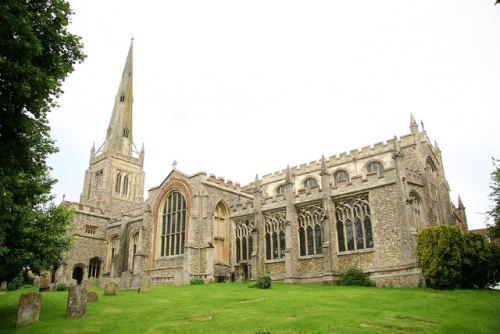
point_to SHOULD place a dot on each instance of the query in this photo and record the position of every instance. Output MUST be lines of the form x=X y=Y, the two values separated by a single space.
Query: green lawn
x=234 y=308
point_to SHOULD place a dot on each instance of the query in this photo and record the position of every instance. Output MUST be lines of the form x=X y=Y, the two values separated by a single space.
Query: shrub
x=439 y=252
x=475 y=261
x=11 y=286
x=197 y=281
x=263 y=282
x=355 y=277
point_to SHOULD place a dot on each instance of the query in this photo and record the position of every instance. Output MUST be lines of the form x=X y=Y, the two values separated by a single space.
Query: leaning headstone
x=77 y=302
x=3 y=286
x=44 y=282
x=145 y=284
x=87 y=285
x=110 y=289
x=28 y=311
x=135 y=282
x=125 y=280
x=92 y=297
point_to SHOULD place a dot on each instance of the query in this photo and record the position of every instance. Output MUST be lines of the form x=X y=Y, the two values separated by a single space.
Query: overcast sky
x=238 y=88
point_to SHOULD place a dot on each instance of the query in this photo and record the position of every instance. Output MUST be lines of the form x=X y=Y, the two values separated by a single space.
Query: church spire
x=119 y=135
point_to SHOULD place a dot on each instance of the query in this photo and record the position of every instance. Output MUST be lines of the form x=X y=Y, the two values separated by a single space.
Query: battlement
x=222 y=182
x=83 y=208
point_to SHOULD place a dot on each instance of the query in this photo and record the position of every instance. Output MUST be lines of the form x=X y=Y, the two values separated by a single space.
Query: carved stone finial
x=324 y=170
x=413 y=124
x=397 y=149
x=174 y=163
x=288 y=176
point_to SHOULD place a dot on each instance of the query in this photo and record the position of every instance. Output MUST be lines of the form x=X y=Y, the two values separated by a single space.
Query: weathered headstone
x=87 y=285
x=44 y=282
x=135 y=282
x=72 y=282
x=145 y=284
x=3 y=286
x=28 y=311
x=178 y=279
x=92 y=297
x=77 y=302
x=110 y=289
x=125 y=280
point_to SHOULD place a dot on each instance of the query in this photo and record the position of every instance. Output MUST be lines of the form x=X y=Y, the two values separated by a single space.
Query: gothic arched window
x=132 y=250
x=310 y=231
x=375 y=167
x=112 y=250
x=95 y=267
x=275 y=236
x=341 y=175
x=118 y=184
x=173 y=225
x=354 y=225
x=244 y=240
x=125 y=186
x=221 y=253
x=310 y=183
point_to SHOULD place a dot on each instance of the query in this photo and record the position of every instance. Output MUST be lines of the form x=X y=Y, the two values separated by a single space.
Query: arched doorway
x=77 y=274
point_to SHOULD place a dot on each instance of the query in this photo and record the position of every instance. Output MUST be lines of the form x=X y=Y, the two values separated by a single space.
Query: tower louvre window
x=126 y=132
x=122 y=98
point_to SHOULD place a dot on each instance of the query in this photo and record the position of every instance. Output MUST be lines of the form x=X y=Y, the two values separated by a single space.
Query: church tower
x=115 y=176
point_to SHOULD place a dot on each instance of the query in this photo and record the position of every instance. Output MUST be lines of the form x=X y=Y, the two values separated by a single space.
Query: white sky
x=238 y=88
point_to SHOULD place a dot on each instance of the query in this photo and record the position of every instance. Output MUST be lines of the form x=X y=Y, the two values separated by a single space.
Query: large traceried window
x=221 y=253
x=244 y=240
x=354 y=224
x=275 y=235
x=173 y=225
x=310 y=231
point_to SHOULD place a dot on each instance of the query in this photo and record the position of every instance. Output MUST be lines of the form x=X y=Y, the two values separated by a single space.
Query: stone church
x=304 y=224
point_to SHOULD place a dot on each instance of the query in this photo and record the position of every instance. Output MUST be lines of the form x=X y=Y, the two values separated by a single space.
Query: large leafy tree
x=494 y=229
x=36 y=54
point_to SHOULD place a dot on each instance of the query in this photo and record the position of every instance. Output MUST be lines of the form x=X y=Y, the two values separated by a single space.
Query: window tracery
x=244 y=240
x=310 y=230
x=173 y=225
x=354 y=225
x=275 y=235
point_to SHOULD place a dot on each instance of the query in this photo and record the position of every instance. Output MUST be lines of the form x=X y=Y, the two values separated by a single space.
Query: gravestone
x=125 y=280
x=178 y=279
x=87 y=285
x=44 y=282
x=110 y=289
x=92 y=297
x=135 y=282
x=145 y=284
x=77 y=302
x=29 y=307
x=3 y=286
x=72 y=282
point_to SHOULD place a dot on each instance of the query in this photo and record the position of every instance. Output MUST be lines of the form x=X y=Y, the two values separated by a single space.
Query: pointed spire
x=413 y=124
x=460 y=204
x=119 y=135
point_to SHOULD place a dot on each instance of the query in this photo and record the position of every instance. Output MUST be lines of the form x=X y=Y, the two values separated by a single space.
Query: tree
x=476 y=261
x=494 y=229
x=36 y=54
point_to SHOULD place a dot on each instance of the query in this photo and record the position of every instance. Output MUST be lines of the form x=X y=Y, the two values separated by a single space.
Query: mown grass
x=234 y=308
